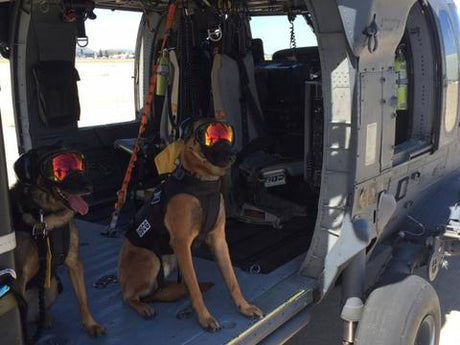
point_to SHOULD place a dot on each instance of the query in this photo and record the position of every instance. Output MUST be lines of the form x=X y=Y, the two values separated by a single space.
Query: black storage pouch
x=57 y=93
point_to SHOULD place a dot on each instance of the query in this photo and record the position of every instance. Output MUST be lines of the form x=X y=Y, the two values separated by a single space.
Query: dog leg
x=183 y=229
x=50 y=296
x=75 y=268
x=76 y=273
x=218 y=245
x=220 y=249
x=56 y=220
x=173 y=292
x=137 y=273
x=27 y=261
x=184 y=259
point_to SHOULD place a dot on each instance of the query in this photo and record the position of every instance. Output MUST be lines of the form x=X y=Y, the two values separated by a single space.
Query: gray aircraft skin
x=380 y=160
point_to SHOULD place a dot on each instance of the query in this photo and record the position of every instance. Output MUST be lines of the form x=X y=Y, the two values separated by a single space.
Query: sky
x=118 y=29
x=113 y=29
x=275 y=32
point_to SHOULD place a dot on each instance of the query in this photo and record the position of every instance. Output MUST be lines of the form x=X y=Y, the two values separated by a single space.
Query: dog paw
x=146 y=311
x=209 y=324
x=251 y=311
x=143 y=309
x=95 y=330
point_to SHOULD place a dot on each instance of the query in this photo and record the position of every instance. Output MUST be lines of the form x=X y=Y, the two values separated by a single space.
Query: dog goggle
x=210 y=133
x=57 y=167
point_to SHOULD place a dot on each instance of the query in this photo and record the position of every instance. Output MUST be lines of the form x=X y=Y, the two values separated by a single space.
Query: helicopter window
x=451 y=62
x=275 y=33
x=415 y=71
x=106 y=67
x=285 y=55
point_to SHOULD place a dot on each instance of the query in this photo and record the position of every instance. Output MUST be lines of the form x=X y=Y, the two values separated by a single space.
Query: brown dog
x=44 y=200
x=193 y=209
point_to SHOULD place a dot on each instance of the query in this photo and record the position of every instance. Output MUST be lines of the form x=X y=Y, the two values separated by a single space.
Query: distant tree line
x=102 y=53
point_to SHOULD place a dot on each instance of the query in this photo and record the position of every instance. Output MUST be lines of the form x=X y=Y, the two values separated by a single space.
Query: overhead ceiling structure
x=255 y=7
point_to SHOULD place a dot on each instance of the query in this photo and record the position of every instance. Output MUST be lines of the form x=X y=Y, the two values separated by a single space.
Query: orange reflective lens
x=57 y=167
x=216 y=131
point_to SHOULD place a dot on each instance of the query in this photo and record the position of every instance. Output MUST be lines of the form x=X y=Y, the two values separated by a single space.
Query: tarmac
x=325 y=327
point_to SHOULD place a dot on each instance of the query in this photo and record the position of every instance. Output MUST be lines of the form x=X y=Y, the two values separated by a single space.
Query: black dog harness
x=149 y=230
x=55 y=242
x=59 y=237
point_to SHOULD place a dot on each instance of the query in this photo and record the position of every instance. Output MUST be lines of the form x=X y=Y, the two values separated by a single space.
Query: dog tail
x=173 y=292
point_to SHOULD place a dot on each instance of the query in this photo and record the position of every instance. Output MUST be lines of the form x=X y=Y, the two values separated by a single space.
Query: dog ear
x=186 y=128
x=26 y=167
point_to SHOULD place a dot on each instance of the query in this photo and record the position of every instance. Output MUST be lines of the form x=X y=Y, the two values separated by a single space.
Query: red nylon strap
x=143 y=123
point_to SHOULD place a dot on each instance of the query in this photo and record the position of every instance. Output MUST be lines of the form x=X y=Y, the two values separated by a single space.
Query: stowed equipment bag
x=57 y=93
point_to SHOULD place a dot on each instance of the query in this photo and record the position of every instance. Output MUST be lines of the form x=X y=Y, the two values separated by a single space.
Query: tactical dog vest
x=149 y=230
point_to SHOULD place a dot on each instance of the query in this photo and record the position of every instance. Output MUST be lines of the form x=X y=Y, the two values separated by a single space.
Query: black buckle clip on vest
x=179 y=172
x=39 y=229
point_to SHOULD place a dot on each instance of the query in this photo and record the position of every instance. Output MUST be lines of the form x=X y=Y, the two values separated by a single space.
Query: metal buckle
x=39 y=232
x=39 y=229
x=179 y=173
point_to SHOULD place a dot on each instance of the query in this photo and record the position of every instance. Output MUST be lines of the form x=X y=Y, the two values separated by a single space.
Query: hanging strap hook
x=215 y=35
x=371 y=33
x=82 y=42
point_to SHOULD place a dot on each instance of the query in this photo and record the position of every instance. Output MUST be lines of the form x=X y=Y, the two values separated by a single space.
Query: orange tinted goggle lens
x=218 y=131
x=64 y=163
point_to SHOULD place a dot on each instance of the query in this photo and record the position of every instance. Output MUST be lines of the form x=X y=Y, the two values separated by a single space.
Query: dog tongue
x=77 y=204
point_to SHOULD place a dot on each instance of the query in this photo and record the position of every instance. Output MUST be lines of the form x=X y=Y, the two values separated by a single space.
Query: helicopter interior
x=274 y=103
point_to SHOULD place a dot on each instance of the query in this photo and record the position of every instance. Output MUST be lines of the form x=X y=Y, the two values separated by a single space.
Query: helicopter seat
x=272 y=160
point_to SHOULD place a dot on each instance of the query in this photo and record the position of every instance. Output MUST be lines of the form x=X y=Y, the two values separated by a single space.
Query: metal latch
x=451 y=238
x=452 y=230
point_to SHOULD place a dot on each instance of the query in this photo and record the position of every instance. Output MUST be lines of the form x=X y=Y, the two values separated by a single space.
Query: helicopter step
x=451 y=237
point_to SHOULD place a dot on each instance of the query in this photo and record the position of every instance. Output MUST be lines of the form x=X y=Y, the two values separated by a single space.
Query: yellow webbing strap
x=165 y=161
x=49 y=257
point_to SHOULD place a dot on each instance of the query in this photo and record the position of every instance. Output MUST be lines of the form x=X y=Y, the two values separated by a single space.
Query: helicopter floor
x=174 y=323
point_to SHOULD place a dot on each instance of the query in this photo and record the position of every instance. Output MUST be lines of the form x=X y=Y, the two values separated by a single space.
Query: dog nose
x=228 y=160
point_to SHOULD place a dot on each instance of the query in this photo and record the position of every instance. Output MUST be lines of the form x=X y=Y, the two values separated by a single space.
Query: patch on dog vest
x=156 y=196
x=143 y=228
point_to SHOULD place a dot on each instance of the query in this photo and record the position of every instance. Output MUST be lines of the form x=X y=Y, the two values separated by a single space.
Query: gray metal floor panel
x=124 y=326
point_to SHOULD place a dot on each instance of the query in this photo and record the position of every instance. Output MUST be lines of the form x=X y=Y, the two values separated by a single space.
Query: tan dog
x=185 y=219
x=50 y=184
